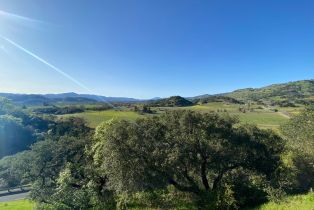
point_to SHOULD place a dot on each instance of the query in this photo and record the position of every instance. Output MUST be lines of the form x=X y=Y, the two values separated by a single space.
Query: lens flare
x=18 y=17
x=64 y=74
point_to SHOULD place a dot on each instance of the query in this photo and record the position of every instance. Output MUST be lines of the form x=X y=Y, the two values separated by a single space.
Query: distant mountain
x=173 y=101
x=66 y=98
x=37 y=100
x=295 y=92
x=285 y=94
x=93 y=97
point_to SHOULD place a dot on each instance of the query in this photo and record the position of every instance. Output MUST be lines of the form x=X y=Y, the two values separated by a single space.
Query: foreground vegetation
x=196 y=157
x=17 y=205
x=299 y=202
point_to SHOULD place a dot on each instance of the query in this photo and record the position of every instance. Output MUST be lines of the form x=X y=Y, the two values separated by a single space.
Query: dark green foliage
x=173 y=101
x=13 y=170
x=59 y=110
x=299 y=132
x=50 y=161
x=102 y=107
x=143 y=109
x=18 y=129
x=14 y=137
x=194 y=152
x=72 y=126
x=61 y=173
x=284 y=103
x=210 y=99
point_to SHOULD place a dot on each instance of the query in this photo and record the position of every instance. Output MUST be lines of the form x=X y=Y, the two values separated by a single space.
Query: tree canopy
x=193 y=152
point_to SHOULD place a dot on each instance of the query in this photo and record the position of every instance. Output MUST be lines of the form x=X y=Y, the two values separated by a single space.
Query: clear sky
x=148 y=48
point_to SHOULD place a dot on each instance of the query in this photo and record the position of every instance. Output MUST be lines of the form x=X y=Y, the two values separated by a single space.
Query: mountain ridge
x=301 y=91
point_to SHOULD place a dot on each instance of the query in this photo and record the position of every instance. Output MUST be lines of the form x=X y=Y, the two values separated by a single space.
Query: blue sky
x=148 y=48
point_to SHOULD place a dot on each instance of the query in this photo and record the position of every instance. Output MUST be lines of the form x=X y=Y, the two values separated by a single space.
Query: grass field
x=17 y=205
x=298 y=202
x=94 y=118
x=263 y=118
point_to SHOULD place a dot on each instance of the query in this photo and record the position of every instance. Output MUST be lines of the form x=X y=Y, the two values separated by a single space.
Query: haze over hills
x=286 y=93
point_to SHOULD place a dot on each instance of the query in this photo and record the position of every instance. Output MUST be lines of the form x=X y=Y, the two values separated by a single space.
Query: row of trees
x=205 y=160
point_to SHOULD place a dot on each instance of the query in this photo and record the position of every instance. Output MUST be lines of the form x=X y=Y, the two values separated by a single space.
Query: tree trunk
x=204 y=175
x=217 y=181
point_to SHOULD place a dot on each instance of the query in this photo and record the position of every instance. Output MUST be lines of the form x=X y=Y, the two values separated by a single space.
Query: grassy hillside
x=295 y=92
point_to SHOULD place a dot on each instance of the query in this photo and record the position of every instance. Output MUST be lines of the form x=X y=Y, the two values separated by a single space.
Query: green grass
x=298 y=202
x=263 y=118
x=94 y=118
x=17 y=205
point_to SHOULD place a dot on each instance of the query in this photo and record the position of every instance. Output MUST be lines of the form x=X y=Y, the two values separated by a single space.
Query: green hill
x=173 y=101
x=285 y=94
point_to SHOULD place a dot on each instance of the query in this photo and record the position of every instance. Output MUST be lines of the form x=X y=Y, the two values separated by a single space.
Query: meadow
x=94 y=118
x=262 y=117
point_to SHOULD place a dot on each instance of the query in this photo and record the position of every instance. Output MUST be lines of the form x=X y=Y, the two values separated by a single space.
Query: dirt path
x=285 y=114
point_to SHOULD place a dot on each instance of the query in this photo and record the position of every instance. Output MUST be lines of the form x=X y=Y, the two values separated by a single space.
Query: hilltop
x=285 y=94
x=173 y=101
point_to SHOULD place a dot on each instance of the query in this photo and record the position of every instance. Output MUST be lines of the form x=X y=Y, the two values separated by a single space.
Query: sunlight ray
x=18 y=17
x=56 y=69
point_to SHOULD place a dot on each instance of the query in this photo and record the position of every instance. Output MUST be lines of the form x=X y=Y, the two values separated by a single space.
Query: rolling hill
x=173 y=101
x=278 y=94
x=285 y=94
